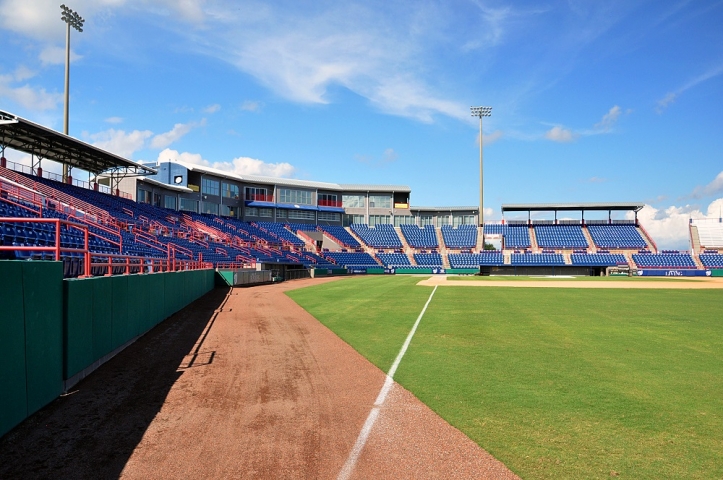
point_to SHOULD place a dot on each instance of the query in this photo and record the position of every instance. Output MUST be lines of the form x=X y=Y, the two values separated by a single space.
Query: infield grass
x=555 y=383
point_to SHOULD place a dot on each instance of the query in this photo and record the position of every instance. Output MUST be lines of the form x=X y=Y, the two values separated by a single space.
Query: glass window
x=157 y=200
x=352 y=201
x=280 y=213
x=463 y=220
x=328 y=200
x=352 y=219
x=297 y=197
x=169 y=202
x=210 y=187
x=403 y=220
x=329 y=216
x=254 y=193
x=252 y=212
x=228 y=211
x=301 y=215
x=426 y=220
x=144 y=196
x=230 y=191
x=380 y=201
x=209 y=207
x=188 y=205
x=378 y=219
x=266 y=212
x=442 y=220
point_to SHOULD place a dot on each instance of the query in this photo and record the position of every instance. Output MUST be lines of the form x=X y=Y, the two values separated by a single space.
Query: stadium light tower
x=72 y=19
x=481 y=112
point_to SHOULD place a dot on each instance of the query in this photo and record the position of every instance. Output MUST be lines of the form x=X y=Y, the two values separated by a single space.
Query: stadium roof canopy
x=47 y=144
x=571 y=207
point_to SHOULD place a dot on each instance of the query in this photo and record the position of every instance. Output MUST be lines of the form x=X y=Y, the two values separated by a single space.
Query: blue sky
x=592 y=101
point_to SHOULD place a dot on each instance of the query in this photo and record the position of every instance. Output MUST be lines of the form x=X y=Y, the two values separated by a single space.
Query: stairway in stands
x=533 y=241
x=588 y=238
x=480 y=240
x=442 y=247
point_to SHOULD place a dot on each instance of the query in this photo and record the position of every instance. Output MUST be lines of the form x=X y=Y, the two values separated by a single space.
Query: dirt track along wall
x=53 y=332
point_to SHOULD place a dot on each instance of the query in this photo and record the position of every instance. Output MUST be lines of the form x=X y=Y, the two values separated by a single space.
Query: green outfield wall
x=716 y=273
x=53 y=332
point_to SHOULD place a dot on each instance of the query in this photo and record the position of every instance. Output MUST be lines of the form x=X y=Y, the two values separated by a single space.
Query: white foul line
x=361 y=440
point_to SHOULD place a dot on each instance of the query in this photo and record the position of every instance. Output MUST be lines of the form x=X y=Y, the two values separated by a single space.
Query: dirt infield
x=241 y=384
x=654 y=283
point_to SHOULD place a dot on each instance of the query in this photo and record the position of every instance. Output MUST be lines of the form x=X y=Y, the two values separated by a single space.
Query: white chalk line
x=361 y=440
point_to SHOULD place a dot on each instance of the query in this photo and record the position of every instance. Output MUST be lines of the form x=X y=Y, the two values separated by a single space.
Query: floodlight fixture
x=72 y=19
x=481 y=112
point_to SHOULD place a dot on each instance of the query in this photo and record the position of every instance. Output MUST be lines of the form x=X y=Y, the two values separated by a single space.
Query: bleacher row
x=142 y=230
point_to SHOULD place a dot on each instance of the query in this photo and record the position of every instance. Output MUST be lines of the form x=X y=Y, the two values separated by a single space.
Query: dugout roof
x=45 y=143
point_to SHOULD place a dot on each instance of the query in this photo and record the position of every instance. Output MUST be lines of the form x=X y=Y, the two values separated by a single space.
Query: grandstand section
x=616 y=236
x=542 y=259
x=598 y=259
x=466 y=260
x=416 y=237
x=378 y=236
x=461 y=237
x=664 y=260
x=560 y=236
x=393 y=259
x=429 y=259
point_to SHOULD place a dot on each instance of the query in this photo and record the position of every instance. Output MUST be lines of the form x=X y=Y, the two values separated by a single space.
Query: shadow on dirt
x=93 y=430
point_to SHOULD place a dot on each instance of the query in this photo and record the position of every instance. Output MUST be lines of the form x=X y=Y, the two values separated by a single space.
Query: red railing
x=56 y=250
x=259 y=197
x=18 y=167
x=330 y=203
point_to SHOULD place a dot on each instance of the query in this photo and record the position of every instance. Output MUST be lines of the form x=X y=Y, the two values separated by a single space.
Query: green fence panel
x=158 y=295
x=147 y=320
x=136 y=309
x=77 y=326
x=120 y=329
x=402 y=270
x=13 y=396
x=716 y=273
x=102 y=316
x=168 y=298
x=210 y=280
x=463 y=271
x=43 y=302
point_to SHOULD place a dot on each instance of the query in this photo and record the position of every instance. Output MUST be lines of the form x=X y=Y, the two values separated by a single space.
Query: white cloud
x=560 y=134
x=609 y=119
x=162 y=140
x=212 y=108
x=251 y=106
x=32 y=98
x=490 y=138
x=114 y=120
x=55 y=55
x=389 y=156
x=713 y=188
x=670 y=97
x=119 y=142
x=253 y=166
x=669 y=227
x=239 y=165
x=665 y=101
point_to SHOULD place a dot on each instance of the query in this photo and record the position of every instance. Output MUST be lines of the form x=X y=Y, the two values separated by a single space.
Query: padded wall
x=31 y=338
x=13 y=397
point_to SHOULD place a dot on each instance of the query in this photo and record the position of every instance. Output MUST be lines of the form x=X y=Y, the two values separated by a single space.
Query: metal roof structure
x=574 y=207
x=47 y=144
x=291 y=182
x=444 y=209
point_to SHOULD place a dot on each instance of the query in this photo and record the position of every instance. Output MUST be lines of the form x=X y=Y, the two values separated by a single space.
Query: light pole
x=72 y=19
x=481 y=112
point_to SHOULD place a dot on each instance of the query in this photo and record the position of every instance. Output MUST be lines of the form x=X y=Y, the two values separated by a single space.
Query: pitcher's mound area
x=241 y=386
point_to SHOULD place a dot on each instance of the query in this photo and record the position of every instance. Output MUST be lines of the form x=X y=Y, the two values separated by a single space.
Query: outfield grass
x=556 y=383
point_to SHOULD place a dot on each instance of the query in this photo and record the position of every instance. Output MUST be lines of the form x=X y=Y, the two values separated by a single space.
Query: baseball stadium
x=167 y=319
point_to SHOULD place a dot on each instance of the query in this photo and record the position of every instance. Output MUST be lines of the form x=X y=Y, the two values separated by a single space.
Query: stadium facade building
x=188 y=187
